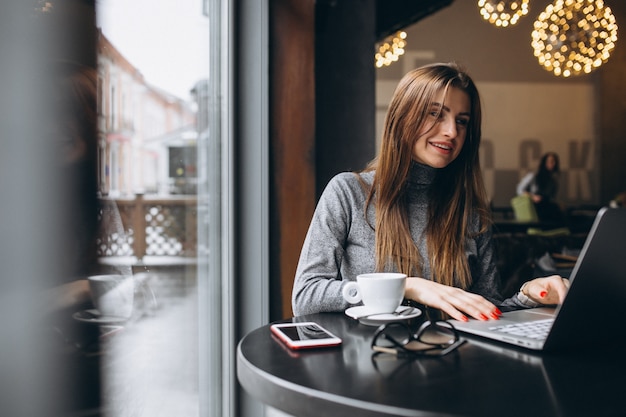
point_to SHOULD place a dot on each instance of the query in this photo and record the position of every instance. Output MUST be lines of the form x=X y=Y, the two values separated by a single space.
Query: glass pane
x=110 y=154
x=153 y=67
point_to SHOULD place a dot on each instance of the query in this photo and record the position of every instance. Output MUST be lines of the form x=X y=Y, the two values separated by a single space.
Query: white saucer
x=378 y=319
x=93 y=316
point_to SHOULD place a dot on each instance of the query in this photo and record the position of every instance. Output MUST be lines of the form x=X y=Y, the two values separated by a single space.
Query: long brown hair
x=457 y=193
x=544 y=176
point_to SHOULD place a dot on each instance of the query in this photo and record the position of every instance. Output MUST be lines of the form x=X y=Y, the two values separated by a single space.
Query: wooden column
x=292 y=138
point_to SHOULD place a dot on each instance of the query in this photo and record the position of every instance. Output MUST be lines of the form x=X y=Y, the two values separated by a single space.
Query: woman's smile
x=443 y=135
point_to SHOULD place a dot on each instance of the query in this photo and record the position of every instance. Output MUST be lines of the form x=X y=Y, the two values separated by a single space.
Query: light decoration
x=503 y=13
x=572 y=37
x=390 y=50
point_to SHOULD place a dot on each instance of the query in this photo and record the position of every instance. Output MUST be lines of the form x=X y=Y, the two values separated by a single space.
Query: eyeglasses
x=433 y=338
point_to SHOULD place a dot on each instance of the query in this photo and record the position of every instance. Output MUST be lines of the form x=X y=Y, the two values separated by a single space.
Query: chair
x=524 y=211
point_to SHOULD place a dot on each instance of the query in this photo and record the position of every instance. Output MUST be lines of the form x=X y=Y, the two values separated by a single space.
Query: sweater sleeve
x=318 y=281
x=524 y=184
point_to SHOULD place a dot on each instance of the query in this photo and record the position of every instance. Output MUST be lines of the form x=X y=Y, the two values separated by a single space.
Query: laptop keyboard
x=537 y=329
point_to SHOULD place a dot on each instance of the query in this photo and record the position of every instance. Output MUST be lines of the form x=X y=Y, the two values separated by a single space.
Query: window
x=153 y=368
x=176 y=354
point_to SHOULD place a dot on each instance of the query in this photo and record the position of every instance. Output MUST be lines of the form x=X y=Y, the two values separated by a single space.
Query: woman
x=542 y=187
x=418 y=208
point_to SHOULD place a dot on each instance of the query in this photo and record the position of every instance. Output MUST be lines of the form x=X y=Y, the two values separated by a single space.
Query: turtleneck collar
x=420 y=174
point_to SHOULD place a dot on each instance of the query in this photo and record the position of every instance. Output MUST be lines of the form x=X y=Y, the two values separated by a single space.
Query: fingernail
x=483 y=317
x=498 y=312
x=464 y=318
x=495 y=316
x=543 y=294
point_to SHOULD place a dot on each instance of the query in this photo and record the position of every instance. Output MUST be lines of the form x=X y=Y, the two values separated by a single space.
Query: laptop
x=595 y=305
x=556 y=384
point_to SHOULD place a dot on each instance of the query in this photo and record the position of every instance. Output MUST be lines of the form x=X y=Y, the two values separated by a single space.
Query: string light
x=390 y=49
x=503 y=13
x=572 y=37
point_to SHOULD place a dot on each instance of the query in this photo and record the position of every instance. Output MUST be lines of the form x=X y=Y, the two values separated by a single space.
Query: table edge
x=253 y=379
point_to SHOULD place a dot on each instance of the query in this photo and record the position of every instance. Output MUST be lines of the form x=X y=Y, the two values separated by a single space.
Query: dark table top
x=480 y=379
x=519 y=226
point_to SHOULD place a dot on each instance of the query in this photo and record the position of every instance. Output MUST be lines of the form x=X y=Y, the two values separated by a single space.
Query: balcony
x=151 y=234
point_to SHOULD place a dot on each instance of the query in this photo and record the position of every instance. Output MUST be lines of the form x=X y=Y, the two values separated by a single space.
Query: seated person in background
x=542 y=187
x=419 y=208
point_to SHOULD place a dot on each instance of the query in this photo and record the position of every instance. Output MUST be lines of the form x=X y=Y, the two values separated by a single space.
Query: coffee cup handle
x=351 y=292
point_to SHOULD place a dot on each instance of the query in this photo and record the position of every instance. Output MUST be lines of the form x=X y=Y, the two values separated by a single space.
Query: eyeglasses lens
x=435 y=334
x=394 y=336
x=432 y=338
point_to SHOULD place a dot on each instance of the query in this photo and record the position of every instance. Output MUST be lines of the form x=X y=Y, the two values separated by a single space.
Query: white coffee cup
x=380 y=292
x=112 y=295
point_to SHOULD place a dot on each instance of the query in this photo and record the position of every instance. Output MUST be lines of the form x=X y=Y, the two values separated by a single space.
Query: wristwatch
x=524 y=299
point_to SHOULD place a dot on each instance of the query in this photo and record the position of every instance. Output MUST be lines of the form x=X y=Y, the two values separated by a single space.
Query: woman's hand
x=548 y=290
x=457 y=303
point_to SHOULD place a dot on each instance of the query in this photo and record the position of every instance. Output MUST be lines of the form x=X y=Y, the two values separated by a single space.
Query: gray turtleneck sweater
x=340 y=245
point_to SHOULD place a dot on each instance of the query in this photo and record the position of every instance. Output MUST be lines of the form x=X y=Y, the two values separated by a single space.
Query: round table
x=479 y=379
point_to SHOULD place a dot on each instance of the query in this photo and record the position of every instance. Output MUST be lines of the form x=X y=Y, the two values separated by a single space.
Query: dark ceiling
x=393 y=15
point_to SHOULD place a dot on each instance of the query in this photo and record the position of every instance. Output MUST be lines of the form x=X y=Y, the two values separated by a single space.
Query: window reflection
x=148 y=128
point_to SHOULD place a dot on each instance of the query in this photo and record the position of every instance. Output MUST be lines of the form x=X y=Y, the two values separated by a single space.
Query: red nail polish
x=483 y=317
x=543 y=294
x=464 y=318
x=498 y=312
x=495 y=316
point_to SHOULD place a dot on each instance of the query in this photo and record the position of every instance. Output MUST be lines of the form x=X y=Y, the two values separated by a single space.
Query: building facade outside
x=147 y=136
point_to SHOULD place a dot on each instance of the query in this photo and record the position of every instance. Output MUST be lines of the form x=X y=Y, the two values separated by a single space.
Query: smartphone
x=304 y=335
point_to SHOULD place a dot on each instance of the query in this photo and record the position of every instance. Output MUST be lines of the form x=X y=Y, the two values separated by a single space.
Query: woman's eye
x=462 y=122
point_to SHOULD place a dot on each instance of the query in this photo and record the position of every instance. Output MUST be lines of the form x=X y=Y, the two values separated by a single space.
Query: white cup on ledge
x=380 y=292
x=112 y=295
